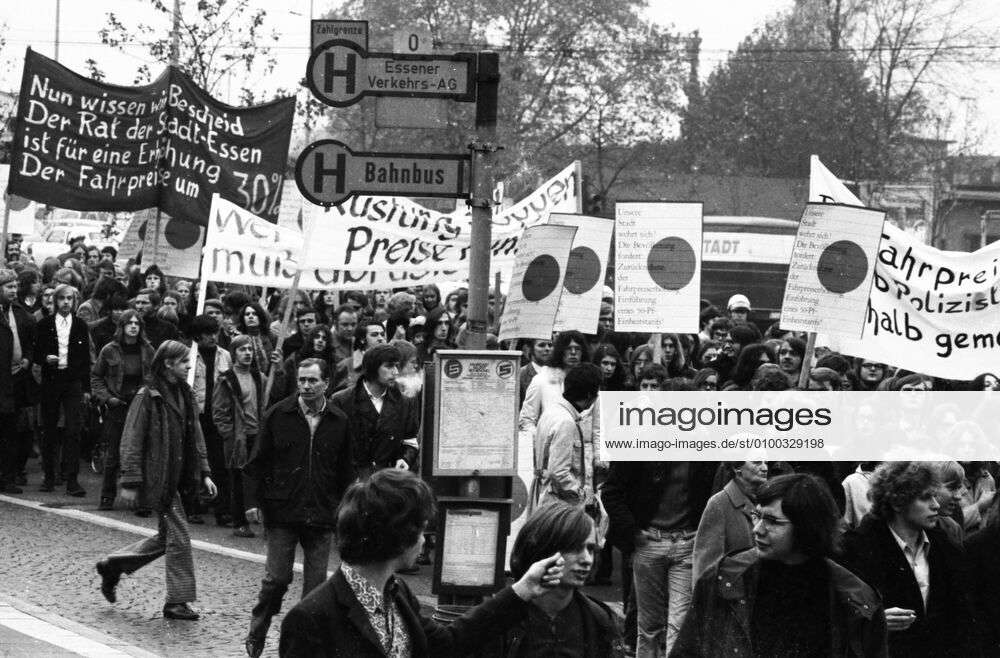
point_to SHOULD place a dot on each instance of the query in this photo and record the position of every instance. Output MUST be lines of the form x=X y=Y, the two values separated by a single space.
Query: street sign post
x=340 y=73
x=328 y=172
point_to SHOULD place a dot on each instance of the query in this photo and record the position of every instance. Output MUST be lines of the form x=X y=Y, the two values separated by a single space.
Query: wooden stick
x=807 y=360
x=282 y=332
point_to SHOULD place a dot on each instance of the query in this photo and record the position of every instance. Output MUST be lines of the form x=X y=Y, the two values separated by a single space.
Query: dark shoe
x=106 y=504
x=12 y=489
x=47 y=485
x=144 y=512
x=409 y=571
x=74 y=489
x=254 y=646
x=244 y=531
x=195 y=519
x=224 y=521
x=60 y=480
x=179 y=611
x=109 y=580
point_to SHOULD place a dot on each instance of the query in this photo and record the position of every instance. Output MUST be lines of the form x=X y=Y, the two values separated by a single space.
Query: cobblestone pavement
x=47 y=560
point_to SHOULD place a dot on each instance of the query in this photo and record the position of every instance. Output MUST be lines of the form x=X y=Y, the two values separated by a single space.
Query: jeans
x=281 y=542
x=114 y=425
x=662 y=580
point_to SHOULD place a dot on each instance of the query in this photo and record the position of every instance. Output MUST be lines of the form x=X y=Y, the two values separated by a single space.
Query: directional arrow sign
x=327 y=172
x=340 y=73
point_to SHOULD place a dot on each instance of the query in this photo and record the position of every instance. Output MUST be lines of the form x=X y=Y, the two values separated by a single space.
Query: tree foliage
x=765 y=110
x=577 y=76
x=217 y=41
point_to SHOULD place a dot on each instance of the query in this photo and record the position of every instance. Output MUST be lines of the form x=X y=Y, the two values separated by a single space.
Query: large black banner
x=84 y=145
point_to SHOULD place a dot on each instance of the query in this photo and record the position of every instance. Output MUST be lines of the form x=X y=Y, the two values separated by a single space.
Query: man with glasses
x=870 y=374
x=785 y=597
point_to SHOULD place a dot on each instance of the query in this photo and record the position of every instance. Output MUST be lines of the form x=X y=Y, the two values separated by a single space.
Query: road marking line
x=63 y=633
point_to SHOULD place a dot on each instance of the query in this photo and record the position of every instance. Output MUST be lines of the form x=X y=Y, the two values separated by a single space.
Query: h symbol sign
x=320 y=172
x=348 y=73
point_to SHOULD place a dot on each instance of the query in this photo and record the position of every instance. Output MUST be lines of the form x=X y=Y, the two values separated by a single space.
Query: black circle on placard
x=842 y=266
x=583 y=270
x=671 y=263
x=519 y=494
x=142 y=231
x=16 y=202
x=181 y=234
x=452 y=368
x=541 y=278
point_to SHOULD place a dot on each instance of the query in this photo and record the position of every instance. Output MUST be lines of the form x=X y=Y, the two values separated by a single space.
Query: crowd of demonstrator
x=735 y=558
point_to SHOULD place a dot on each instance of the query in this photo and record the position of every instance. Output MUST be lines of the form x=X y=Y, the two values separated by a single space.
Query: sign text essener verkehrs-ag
x=411 y=68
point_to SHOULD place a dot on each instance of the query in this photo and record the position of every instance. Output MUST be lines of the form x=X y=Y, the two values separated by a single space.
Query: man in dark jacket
x=365 y=611
x=919 y=573
x=62 y=358
x=983 y=549
x=384 y=424
x=17 y=338
x=298 y=470
x=785 y=597
x=654 y=509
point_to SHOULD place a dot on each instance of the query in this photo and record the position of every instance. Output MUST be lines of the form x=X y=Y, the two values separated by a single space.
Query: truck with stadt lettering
x=747 y=255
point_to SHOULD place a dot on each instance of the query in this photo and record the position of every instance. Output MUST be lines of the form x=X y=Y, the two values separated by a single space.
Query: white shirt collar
x=923 y=543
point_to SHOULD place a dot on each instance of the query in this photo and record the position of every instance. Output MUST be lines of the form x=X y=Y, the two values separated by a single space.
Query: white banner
x=537 y=282
x=930 y=311
x=657 y=266
x=243 y=248
x=580 y=303
x=830 y=273
x=390 y=233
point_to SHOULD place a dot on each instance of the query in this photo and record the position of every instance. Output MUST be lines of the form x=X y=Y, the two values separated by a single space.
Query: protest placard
x=86 y=145
x=19 y=210
x=930 y=311
x=580 y=303
x=176 y=249
x=657 y=266
x=537 y=282
x=831 y=268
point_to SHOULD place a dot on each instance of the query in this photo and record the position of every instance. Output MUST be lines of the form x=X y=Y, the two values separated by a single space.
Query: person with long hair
x=162 y=453
x=121 y=369
x=317 y=344
x=613 y=375
x=253 y=321
x=439 y=333
x=750 y=358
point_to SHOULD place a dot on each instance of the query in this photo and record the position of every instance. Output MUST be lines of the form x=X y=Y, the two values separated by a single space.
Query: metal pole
x=483 y=156
x=58 y=12
x=6 y=224
x=175 y=35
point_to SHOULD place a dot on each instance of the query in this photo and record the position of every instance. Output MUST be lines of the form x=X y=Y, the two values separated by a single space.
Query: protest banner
x=537 y=282
x=243 y=248
x=390 y=233
x=657 y=266
x=929 y=311
x=830 y=273
x=86 y=145
x=580 y=302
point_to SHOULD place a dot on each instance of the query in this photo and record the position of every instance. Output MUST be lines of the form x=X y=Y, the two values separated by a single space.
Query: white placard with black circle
x=830 y=274
x=580 y=303
x=657 y=266
x=537 y=282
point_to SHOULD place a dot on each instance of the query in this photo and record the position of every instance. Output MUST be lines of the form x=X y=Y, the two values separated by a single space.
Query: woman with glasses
x=120 y=370
x=786 y=598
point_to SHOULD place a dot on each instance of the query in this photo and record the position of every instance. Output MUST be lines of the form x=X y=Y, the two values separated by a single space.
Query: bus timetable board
x=476 y=404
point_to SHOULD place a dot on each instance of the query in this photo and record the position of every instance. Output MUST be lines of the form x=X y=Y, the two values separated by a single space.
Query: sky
x=722 y=24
